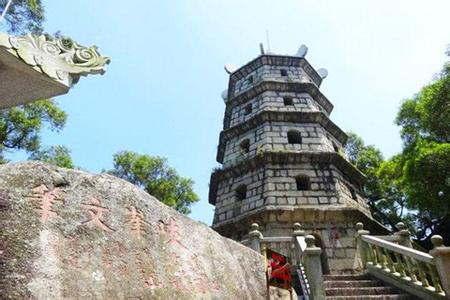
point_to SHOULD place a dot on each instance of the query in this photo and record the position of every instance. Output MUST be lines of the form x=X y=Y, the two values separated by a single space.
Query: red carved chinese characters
x=170 y=228
x=74 y=256
x=96 y=215
x=46 y=199
x=152 y=282
x=136 y=219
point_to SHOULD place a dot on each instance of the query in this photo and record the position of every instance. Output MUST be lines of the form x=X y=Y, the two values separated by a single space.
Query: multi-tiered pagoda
x=283 y=160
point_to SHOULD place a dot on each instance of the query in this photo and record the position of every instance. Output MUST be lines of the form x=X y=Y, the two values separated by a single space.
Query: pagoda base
x=333 y=228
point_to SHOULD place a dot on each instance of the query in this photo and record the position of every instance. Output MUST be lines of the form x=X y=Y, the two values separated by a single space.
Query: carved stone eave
x=279 y=116
x=34 y=67
x=284 y=157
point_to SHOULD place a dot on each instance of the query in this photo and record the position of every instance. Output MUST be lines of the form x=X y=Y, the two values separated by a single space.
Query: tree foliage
x=24 y=16
x=20 y=126
x=383 y=194
x=55 y=155
x=413 y=186
x=158 y=179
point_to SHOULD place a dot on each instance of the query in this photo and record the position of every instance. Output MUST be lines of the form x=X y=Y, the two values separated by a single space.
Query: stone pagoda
x=283 y=161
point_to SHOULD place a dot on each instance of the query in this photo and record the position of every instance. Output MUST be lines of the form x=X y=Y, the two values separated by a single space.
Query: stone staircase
x=359 y=287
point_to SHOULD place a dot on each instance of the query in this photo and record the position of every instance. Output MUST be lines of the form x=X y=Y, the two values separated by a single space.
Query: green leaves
x=427 y=178
x=158 y=179
x=55 y=155
x=24 y=16
x=413 y=186
x=33 y=5
x=20 y=126
x=427 y=115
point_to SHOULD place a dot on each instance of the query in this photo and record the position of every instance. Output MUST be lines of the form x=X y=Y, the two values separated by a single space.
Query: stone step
x=381 y=290
x=352 y=283
x=363 y=276
x=375 y=297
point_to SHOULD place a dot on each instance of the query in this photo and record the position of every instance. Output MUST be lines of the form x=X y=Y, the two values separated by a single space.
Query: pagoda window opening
x=335 y=147
x=248 y=109
x=294 y=137
x=303 y=183
x=245 y=146
x=288 y=100
x=241 y=192
x=353 y=193
x=283 y=72
x=250 y=79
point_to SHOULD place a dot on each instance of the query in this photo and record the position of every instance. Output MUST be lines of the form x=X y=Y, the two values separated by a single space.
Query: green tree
x=384 y=197
x=425 y=164
x=24 y=16
x=158 y=179
x=55 y=155
x=20 y=126
x=427 y=115
x=413 y=186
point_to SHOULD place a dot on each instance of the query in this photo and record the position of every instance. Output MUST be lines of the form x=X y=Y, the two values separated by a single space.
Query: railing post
x=255 y=237
x=298 y=232
x=313 y=268
x=441 y=256
x=404 y=235
x=363 y=248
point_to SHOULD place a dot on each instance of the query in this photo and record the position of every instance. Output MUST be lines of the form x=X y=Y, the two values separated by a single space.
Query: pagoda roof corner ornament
x=31 y=59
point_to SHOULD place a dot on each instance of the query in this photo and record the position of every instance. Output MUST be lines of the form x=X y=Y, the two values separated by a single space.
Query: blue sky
x=161 y=92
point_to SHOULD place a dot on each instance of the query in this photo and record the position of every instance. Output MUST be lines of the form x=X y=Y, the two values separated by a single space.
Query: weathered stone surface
x=70 y=234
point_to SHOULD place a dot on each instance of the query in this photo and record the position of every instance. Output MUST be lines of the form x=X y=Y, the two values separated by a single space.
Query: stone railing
x=393 y=260
x=303 y=254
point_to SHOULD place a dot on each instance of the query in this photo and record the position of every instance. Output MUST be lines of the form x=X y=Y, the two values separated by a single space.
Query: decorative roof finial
x=301 y=52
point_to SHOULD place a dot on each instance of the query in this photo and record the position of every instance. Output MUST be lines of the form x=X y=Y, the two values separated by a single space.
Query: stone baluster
x=404 y=235
x=390 y=265
x=405 y=240
x=255 y=237
x=423 y=274
x=363 y=248
x=441 y=256
x=411 y=268
x=400 y=265
x=313 y=268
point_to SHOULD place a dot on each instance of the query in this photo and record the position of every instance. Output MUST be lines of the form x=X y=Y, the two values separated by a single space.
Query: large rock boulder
x=71 y=234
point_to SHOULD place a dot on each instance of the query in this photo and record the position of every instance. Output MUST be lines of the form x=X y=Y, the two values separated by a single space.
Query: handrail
x=276 y=239
x=389 y=238
x=303 y=282
x=421 y=274
x=427 y=258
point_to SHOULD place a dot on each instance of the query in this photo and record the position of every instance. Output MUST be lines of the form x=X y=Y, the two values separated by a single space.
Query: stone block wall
x=272 y=136
x=227 y=204
x=273 y=101
x=270 y=73
x=275 y=185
